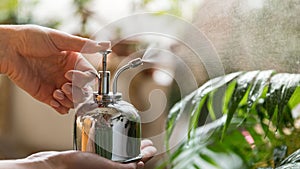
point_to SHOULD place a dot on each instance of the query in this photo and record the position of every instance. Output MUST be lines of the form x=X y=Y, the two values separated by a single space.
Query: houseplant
x=256 y=129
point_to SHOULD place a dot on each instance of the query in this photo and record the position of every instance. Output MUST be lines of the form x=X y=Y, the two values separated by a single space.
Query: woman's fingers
x=148 y=150
x=68 y=97
x=146 y=143
x=67 y=90
x=63 y=99
x=76 y=94
x=140 y=165
x=148 y=153
x=67 y=42
x=80 y=78
x=58 y=107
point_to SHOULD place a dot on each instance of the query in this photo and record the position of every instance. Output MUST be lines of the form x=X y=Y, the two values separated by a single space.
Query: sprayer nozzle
x=131 y=64
x=105 y=45
x=108 y=51
x=135 y=62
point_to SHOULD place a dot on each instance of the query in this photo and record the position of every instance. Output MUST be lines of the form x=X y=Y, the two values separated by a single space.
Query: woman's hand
x=76 y=160
x=36 y=59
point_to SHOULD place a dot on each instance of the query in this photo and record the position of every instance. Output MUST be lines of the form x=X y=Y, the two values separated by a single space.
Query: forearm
x=11 y=164
x=22 y=164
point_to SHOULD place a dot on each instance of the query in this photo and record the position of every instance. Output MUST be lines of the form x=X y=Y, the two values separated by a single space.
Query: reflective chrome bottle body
x=112 y=130
x=106 y=125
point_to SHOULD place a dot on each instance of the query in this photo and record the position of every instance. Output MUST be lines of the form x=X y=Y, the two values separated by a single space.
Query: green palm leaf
x=192 y=102
x=258 y=87
x=242 y=85
x=256 y=97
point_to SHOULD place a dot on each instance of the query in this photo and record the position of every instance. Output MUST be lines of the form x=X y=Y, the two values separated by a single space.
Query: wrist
x=19 y=164
x=7 y=37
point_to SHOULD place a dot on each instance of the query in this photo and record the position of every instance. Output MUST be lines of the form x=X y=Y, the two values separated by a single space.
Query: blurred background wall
x=247 y=35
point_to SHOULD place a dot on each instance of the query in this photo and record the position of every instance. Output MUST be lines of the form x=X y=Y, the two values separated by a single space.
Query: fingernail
x=59 y=95
x=105 y=45
x=69 y=75
x=54 y=104
x=67 y=89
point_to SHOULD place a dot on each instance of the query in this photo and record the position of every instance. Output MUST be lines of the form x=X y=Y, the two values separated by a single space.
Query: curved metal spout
x=131 y=64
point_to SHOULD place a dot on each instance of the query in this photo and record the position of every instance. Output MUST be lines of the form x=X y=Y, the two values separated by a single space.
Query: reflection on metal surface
x=105 y=124
x=109 y=131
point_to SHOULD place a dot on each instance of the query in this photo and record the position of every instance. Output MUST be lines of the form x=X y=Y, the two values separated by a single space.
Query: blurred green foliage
x=82 y=9
x=20 y=12
x=8 y=11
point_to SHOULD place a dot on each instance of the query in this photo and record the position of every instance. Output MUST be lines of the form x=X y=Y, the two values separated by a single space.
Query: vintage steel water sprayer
x=112 y=128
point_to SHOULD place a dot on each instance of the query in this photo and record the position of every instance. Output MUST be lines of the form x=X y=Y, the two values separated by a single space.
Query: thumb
x=67 y=42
